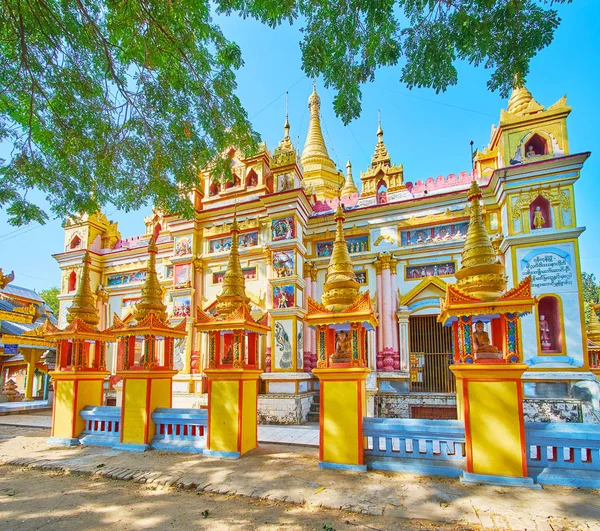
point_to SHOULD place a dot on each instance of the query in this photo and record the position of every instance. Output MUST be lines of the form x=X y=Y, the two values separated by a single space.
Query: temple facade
x=405 y=240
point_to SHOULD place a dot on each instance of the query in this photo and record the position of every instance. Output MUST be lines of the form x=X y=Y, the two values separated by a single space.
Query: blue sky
x=429 y=134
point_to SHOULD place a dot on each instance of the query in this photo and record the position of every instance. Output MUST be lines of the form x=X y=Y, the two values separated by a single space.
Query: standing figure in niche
x=545 y=333
x=482 y=346
x=538 y=218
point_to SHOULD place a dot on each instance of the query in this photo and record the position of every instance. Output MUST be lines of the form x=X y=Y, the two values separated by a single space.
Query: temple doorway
x=431 y=351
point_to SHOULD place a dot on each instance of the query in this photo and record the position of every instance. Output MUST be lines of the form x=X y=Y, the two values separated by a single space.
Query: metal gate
x=431 y=351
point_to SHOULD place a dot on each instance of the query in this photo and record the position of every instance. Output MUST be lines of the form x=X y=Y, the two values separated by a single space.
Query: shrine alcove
x=543 y=218
x=549 y=325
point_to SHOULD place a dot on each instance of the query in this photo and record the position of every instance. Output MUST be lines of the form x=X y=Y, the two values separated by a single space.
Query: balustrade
x=180 y=430
x=435 y=447
x=102 y=425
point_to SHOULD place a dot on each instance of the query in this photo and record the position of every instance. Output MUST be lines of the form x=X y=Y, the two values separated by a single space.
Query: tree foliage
x=590 y=293
x=122 y=101
x=50 y=297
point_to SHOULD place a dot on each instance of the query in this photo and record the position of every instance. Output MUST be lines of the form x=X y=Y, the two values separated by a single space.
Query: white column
x=394 y=281
x=404 y=337
x=378 y=287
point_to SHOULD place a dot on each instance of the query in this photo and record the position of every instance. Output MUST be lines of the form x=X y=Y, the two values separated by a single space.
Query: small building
x=25 y=356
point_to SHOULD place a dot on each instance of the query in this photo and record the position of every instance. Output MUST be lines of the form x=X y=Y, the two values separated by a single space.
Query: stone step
x=315 y=408
x=312 y=417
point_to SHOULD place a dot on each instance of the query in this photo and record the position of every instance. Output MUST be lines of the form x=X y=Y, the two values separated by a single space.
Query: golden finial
x=152 y=295
x=233 y=292
x=349 y=187
x=84 y=304
x=286 y=127
x=341 y=288
x=286 y=144
x=315 y=150
x=520 y=98
x=381 y=153
x=481 y=274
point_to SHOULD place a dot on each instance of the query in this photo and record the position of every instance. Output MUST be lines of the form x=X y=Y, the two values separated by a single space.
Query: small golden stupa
x=341 y=288
x=481 y=274
x=381 y=155
x=152 y=295
x=234 y=286
x=593 y=327
x=84 y=303
x=349 y=187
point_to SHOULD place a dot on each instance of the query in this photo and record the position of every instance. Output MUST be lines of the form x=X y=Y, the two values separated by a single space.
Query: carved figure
x=481 y=344
x=343 y=348
x=538 y=218
x=6 y=279
x=284 y=346
x=531 y=152
x=228 y=356
x=545 y=334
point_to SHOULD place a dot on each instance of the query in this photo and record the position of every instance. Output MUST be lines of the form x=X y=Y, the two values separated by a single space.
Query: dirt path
x=277 y=484
x=34 y=499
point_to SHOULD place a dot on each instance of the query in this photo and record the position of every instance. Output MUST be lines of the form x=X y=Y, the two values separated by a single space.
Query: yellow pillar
x=343 y=406
x=31 y=356
x=490 y=399
x=143 y=392
x=72 y=392
x=232 y=411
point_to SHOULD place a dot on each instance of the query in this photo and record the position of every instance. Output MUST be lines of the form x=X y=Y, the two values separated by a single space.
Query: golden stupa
x=481 y=273
x=381 y=154
x=349 y=187
x=593 y=327
x=341 y=288
x=234 y=287
x=84 y=303
x=315 y=150
x=152 y=295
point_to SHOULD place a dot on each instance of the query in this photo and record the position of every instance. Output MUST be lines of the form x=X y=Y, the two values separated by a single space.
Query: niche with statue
x=540 y=213
x=536 y=146
x=549 y=325
x=381 y=192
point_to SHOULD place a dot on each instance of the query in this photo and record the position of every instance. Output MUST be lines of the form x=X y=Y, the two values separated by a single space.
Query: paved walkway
x=290 y=474
x=15 y=408
x=307 y=435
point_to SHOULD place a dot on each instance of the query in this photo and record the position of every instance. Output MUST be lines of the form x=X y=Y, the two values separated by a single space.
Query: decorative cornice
x=428 y=219
x=225 y=228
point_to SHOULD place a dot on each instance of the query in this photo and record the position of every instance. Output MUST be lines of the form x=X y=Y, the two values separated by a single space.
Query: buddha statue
x=484 y=350
x=343 y=348
x=545 y=333
x=228 y=355
x=538 y=218
x=531 y=152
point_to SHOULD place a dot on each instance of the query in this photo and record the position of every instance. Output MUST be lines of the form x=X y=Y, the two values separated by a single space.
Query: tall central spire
x=234 y=286
x=315 y=151
x=341 y=288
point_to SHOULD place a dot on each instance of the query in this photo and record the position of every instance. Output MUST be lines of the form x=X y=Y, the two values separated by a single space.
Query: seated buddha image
x=482 y=346
x=343 y=353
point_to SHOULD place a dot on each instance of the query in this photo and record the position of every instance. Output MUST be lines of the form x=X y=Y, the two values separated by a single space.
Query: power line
x=436 y=102
x=5 y=238
x=277 y=98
